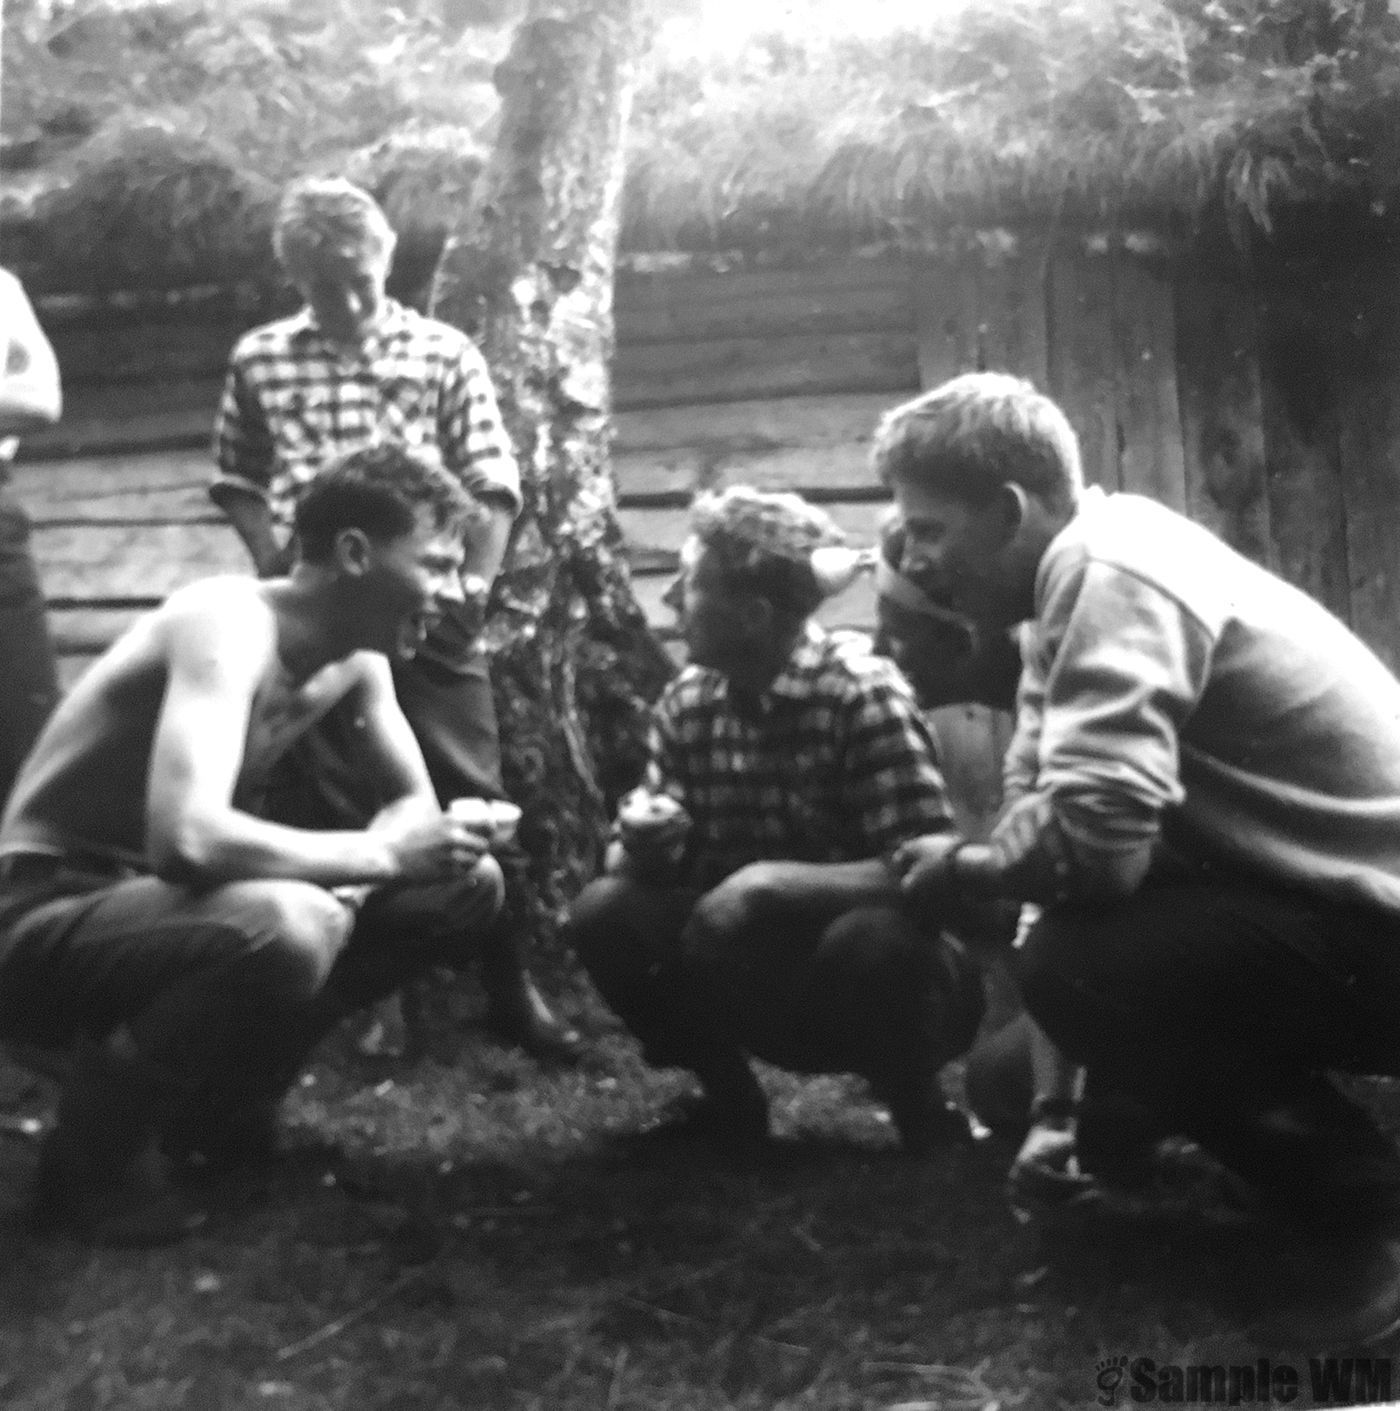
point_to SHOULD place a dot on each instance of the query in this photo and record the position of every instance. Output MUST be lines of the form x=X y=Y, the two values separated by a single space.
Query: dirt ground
x=472 y=1232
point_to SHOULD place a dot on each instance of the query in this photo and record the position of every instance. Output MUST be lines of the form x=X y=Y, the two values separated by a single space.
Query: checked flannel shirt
x=294 y=400
x=833 y=763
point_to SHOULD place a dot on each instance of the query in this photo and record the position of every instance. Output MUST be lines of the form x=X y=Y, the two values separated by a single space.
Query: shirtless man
x=191 y=951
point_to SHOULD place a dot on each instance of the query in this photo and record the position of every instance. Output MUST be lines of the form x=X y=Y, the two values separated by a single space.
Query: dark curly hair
x=381 y=489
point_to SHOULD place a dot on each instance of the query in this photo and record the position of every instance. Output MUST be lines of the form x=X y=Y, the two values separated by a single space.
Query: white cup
x=495 y=819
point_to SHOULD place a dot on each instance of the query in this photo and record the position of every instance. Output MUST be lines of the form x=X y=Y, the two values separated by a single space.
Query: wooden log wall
x=1267 y=411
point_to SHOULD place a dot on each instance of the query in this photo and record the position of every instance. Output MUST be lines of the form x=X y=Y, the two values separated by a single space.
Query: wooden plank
x=1368 y=369
x=158 y=486
x=807 y=307
x=730 y=369
x=842 y=471
x=99 y=420
x=1151 y=459
x=948 y=316
x=1080 y=358
x=171 y=486
x=761 y=424
x=777 y=443
x=1222 y=418
x=120 y=561
x=1011 y=293
x=1299 y=404
x=156 y=352
x=85 y=631
x=737 y=286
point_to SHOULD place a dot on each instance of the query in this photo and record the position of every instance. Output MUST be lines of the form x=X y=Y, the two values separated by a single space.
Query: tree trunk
x=529 y=275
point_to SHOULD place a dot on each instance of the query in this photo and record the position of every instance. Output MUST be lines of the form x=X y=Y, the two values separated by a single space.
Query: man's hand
x=923 y=867
x=1045 y=1175
x=432 y=848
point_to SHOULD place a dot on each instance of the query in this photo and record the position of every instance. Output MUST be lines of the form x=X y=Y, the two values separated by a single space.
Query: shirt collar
x=392 y=317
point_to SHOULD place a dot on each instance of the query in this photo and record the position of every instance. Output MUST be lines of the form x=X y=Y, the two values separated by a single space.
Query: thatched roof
x=1175 y=115
x=1084 y=111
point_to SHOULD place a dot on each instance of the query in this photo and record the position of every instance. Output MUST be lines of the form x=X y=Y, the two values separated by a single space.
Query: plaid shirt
x=293 y=400
x=833 y=763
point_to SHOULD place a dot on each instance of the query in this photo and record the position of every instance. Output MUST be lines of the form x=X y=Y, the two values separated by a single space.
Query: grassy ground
x=488 y=1235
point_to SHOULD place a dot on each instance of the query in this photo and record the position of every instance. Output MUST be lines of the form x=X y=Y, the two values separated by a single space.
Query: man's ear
x=353 y=552
x=1013 y=507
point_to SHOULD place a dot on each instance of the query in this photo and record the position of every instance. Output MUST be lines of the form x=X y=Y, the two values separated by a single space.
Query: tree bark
x=529 y=275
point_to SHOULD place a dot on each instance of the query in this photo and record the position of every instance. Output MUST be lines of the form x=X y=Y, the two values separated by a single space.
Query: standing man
x=776 y=929
x=1203 y=795
x=192 y=951
x=30 y=397
x=355 y=368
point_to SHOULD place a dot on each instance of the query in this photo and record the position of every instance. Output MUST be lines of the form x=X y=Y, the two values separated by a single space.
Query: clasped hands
x=923 y=866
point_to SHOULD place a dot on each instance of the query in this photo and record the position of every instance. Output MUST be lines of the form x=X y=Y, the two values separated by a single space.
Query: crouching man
x=747 y=908
x=1203 y=798
x=191 y=952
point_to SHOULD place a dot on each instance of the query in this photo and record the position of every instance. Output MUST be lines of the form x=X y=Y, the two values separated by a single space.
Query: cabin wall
x=1268 y=410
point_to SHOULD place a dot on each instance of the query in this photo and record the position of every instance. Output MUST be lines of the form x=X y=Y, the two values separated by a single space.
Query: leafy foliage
x=1096 y=109
x=178 y=120
x=831 y=125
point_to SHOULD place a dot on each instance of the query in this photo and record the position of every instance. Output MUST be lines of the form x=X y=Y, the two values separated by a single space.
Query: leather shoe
x=524 y=1019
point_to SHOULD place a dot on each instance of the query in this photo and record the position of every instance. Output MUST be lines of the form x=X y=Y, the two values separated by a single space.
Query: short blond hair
x=969 y=436
x=329 y=216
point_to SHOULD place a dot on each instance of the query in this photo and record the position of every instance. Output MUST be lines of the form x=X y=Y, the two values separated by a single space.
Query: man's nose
x=674 y=596
x=450 y=589
x=917 y=559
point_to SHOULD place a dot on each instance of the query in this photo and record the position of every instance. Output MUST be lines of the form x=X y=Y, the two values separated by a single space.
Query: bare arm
x=30 y=391
x=218 y=652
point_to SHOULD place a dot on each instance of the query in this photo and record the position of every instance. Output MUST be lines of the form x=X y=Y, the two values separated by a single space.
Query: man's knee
x=600 y=919
x=297 y=928
x=876 y=954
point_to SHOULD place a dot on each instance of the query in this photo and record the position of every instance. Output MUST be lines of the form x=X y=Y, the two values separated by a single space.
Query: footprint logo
x=1108 y=1377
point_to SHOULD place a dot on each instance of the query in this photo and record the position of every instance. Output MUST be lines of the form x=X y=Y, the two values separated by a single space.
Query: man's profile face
x=344 y=288
x=715 y=618
x=410 y=579
x=955 y=551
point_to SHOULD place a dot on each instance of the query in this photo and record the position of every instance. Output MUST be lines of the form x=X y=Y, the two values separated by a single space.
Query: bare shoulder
x=226 y=617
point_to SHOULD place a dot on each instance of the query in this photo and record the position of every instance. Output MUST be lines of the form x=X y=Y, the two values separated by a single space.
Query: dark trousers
x=228 y=989
x=868 y=993
x=1219 y=1006
x=30 y=688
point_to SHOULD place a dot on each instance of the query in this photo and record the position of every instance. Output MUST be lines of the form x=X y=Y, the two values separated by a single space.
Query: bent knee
x=298 y=927
x=598 y=916
x=870 y=938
